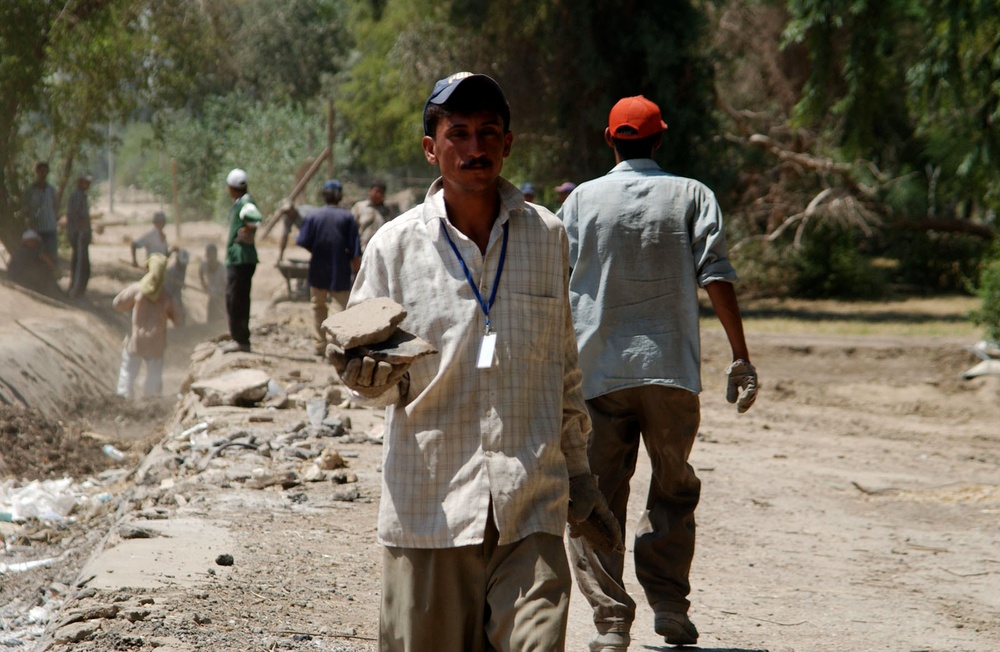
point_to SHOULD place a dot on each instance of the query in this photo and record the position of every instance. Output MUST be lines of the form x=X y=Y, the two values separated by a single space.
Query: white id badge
x=486 y=350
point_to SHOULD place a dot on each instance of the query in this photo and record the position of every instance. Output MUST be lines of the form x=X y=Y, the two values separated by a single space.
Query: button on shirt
x=330 y=234
x=464 y=436
x=660 y=236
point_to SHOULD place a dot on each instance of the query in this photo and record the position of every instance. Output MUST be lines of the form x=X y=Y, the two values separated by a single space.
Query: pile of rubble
x=256 y=437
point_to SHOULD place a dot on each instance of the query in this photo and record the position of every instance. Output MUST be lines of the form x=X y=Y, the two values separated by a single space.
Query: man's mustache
x=478 y=163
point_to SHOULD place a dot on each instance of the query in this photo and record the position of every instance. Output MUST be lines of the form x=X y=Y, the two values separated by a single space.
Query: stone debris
x=238 y=388
x=76 y=632
x=401 y=347
x=227 y=441
x=130 y=531
x=368 y=322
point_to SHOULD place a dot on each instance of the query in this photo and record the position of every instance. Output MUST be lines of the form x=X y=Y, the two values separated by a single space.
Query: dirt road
x=856 y=507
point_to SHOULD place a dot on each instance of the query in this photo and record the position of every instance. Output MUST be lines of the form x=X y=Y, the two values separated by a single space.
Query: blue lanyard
x=468 y=275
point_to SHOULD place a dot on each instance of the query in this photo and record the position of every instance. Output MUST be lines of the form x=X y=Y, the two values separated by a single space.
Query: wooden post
x=177 y=208
x=331 y=132
x=269 y=223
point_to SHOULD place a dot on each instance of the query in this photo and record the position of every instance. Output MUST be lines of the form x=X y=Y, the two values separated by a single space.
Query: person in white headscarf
x=151 y=307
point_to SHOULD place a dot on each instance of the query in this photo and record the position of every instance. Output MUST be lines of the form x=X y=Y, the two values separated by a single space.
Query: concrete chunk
x=240 y=387
x=401 y=347
x=368 y=322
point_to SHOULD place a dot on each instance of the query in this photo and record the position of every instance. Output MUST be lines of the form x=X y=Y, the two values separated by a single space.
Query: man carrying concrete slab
x=485 y=444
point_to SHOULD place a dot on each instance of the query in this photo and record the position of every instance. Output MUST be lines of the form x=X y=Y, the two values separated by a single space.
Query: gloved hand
x=742 y=385
x=364 y=374
x=590 y=517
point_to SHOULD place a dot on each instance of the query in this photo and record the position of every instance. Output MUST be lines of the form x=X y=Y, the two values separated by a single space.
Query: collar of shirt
x=511 y=204
x=637 y=165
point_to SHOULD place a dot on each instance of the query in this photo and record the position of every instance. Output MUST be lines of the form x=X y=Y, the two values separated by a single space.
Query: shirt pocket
x=535 y=329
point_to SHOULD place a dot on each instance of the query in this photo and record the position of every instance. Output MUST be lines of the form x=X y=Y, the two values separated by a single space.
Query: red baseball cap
x=639 y=114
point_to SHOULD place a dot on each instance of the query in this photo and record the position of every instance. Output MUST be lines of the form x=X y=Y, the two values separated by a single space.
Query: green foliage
x=936 y=262
x=955 y=88
x=988 y=289
x=562 y=67
x=281 y=49
x=268 y=140
x=764 y=270
x=829 y=266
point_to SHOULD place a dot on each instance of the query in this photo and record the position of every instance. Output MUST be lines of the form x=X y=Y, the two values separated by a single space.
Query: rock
x=312 y=473
x=330 y=459
x=345 y=493
x=130 y=531
x=224 y=560
x=94 y=613
x=76 y=632
x=135 y=615
x=343 y=476
x=287 y=480
x=316 y=411
x=401 y=347
x=366 y=323
x=240 y=387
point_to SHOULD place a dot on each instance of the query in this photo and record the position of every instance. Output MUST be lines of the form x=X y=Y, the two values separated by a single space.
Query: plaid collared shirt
x=462 y=436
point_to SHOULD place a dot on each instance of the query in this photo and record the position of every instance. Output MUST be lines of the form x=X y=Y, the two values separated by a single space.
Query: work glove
x=590 y=517
x=741 y=388
x=364 y=374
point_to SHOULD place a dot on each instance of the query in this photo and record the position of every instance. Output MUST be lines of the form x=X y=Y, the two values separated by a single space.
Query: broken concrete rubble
x=240 y=387
x=368 y=322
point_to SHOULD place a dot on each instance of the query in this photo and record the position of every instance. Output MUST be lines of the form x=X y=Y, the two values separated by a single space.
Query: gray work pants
x=666 y=419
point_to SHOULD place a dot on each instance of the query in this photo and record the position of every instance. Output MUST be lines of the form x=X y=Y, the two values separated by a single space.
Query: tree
x=66 y=67
x=562 y=67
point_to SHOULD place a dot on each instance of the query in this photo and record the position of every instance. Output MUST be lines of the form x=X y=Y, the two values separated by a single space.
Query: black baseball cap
x=483 y=85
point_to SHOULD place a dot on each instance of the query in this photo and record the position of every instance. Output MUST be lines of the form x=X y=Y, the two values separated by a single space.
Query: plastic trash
x=113 y=452
x=38 y=615
x=21 y=566
x=273 y=389
x=51 y=500
x=194 y=430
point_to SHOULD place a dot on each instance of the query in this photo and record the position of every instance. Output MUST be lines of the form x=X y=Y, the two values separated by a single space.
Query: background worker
x=153 y=241
x=78 y=232
x=212 y=275
x=330 y=234
x=39 y=206
x=31 y=267
x=564 y=189
x=241 y=259
x=371 y=213
x=641 y=242
x=151 y=306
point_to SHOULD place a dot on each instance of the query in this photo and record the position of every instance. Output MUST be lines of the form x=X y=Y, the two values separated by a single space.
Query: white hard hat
x=236 y=178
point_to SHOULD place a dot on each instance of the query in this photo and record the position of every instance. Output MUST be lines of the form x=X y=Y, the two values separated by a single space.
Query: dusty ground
x=856 y=507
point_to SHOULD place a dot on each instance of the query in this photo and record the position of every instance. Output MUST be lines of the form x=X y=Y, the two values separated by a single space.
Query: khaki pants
x=667 y=420
x=318 y=299
x=512 y=598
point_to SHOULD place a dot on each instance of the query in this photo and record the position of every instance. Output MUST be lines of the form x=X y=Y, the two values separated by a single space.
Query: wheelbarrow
x=295 y=271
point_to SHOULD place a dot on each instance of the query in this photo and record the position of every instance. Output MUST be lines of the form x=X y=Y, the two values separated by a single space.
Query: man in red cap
x=486 y=441
x=641 y=242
